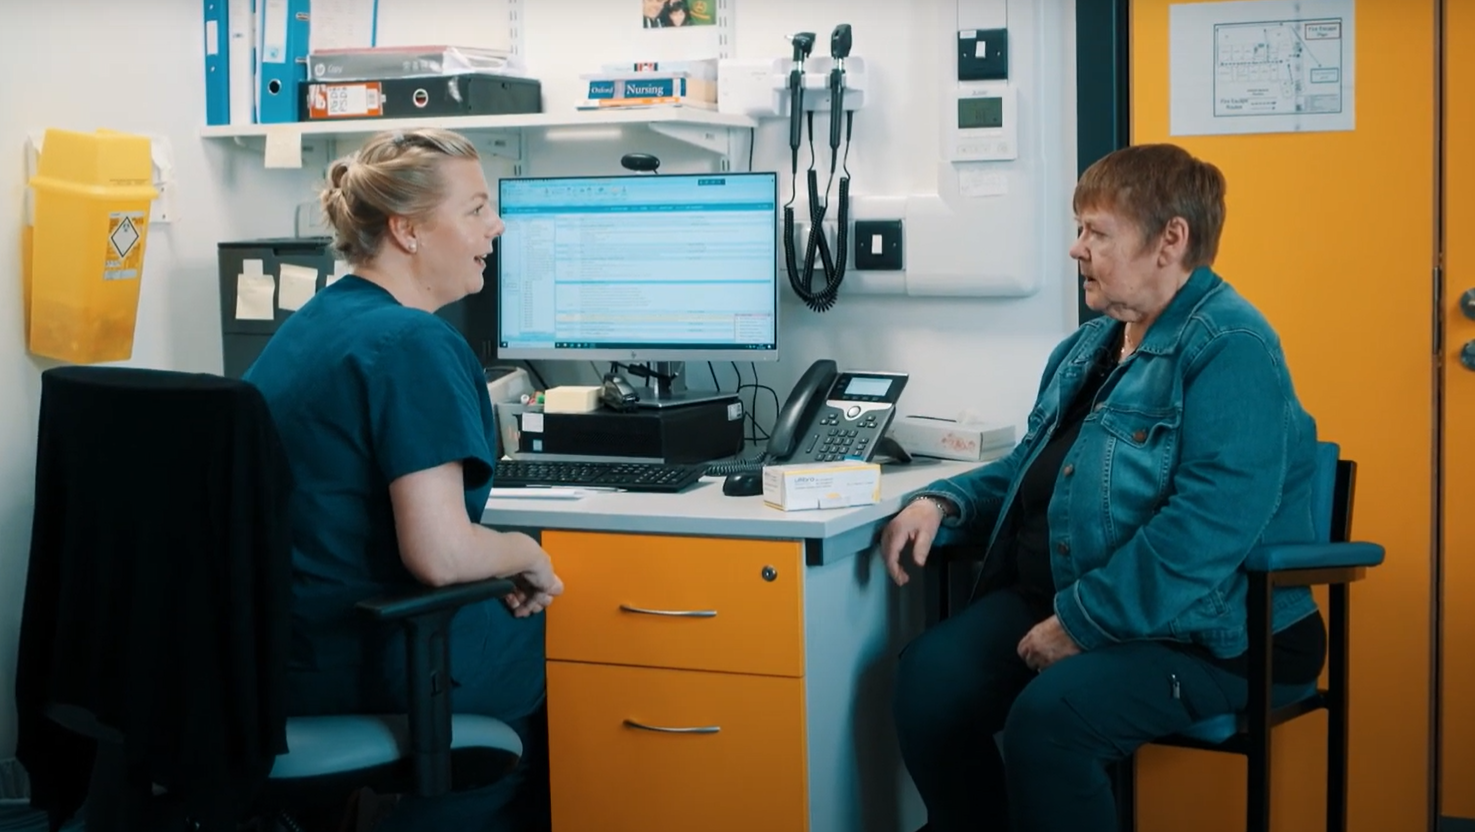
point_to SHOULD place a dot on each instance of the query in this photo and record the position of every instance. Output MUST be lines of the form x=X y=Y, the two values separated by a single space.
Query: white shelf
x=695 y=117
x=720 y=133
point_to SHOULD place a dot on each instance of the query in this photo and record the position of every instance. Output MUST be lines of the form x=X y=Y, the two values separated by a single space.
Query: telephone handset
x=830 y=416
x=800 y=408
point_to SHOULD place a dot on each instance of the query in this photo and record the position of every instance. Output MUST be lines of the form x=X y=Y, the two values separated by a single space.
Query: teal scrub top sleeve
x=425 y=396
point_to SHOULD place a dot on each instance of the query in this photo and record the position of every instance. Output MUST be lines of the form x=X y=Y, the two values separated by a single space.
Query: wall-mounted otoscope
x=803 y=44
x=839 y=50
x=817 y=246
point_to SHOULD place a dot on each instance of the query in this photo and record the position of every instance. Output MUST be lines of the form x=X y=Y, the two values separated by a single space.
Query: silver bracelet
x=944 y=506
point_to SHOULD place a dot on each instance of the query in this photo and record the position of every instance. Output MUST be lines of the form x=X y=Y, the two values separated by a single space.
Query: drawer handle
x=706 y=729
x=671 y=613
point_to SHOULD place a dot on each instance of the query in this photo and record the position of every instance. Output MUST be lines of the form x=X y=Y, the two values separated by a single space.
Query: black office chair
x=1333 y=561
x=151 y=677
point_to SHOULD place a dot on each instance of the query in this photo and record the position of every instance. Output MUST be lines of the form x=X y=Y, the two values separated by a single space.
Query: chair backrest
x=1331 y=494
x=158 y=590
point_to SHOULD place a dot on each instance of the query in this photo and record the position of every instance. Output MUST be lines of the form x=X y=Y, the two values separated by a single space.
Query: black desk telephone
x=831 y=416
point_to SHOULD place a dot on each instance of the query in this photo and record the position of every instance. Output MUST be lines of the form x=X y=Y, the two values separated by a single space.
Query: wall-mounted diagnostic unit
x=986 y=129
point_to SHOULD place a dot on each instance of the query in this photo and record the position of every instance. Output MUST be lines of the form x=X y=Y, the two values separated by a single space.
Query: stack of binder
x=277 y=61
x=416 y=82
x=255 y=59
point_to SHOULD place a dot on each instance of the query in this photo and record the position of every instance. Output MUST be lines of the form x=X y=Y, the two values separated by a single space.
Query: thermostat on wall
x=986 y=129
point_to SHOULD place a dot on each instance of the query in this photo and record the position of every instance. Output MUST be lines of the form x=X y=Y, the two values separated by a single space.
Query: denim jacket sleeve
x=979 y=493
x=1224 y=490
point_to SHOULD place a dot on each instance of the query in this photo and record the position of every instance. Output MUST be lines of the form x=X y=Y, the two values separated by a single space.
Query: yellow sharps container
x=92 y=195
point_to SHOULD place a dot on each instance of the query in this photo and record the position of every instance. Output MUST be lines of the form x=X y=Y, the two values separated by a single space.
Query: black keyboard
x=627 y=476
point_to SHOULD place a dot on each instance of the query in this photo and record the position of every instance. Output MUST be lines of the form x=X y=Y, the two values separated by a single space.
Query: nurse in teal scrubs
x=383 y=409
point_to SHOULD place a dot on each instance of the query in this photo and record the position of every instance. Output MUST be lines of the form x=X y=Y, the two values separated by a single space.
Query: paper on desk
x=255 y=292
x=536 y=494
x=298 y=285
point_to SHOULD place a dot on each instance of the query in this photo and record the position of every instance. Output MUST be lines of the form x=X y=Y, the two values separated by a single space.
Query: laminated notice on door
x=124 y=250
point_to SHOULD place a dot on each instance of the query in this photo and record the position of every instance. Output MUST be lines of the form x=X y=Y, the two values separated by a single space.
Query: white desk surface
x=704 y=510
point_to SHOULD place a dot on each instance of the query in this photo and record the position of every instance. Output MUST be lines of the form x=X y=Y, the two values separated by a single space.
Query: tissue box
x=821 y=485
x=967 y=440
x=571 y=399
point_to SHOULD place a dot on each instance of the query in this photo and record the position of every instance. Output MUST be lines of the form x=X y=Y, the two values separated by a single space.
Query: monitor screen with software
x=640 y=268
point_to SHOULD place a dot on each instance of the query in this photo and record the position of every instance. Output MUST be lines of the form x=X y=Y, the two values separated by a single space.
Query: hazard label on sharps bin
x=125 y=245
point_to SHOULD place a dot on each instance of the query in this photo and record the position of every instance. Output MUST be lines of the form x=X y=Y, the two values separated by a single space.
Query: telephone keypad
x=838 y=438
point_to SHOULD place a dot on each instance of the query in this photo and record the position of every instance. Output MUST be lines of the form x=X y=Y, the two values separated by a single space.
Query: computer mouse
x=743 y=485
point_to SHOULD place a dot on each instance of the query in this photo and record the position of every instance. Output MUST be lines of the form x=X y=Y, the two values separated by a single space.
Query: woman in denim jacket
x=1167 y=442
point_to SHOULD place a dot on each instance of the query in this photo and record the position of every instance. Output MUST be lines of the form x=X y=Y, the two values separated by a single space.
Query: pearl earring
x=414 y=248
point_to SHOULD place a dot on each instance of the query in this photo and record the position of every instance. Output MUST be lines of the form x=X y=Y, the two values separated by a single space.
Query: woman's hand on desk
x=917 y=524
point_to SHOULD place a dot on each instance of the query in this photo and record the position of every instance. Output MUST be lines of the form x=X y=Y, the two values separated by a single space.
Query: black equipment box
x=444 y=95
x=692 y=433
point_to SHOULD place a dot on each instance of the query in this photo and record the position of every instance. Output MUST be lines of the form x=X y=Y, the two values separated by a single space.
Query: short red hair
x=1150 y=184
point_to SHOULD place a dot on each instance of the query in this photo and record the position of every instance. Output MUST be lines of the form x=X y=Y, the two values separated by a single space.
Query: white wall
x=136 y=67
x=976 y=354
x=983 y=355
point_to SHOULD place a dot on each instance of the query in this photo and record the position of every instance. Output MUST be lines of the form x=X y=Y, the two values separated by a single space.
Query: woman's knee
x=940 y=688
x=926 y=689
x=1049 y=718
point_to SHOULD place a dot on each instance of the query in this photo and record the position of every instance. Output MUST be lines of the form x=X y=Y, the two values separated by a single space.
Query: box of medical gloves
x=822 y=485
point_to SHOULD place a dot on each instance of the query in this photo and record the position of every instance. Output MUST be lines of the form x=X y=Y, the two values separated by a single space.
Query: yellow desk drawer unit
x=677 y=685
x=715 y=665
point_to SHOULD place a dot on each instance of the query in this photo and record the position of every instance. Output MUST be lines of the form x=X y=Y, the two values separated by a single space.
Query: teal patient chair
x=151 y=680
x=1334 y=561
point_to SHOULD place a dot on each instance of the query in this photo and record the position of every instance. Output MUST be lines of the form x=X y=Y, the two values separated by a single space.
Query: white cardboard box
x=821 y=485
x=966 y=440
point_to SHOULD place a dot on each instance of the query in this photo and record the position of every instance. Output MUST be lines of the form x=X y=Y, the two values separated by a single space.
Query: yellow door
x=1458 y=648
x=1331 y=235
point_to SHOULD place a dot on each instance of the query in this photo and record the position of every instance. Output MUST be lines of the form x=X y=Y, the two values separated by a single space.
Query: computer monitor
x=642 y=268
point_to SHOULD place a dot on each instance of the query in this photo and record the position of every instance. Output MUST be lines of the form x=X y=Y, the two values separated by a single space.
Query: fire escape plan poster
x=1261 y=66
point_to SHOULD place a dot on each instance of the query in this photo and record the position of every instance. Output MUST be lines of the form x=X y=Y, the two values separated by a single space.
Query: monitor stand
x=671 y=390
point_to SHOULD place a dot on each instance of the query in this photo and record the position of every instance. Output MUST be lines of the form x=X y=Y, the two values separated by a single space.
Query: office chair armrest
x=1285 y=557
x=426 y=600
x=426 y=615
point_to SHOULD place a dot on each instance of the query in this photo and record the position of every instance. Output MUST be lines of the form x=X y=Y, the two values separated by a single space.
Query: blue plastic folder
x=284 y=32
x=217 y=63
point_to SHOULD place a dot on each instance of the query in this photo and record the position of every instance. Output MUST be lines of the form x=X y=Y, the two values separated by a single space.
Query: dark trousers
x=962 y=682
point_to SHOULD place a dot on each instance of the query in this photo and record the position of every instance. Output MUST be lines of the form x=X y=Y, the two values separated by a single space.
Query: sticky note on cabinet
x=299 y=284
x=255 y=293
